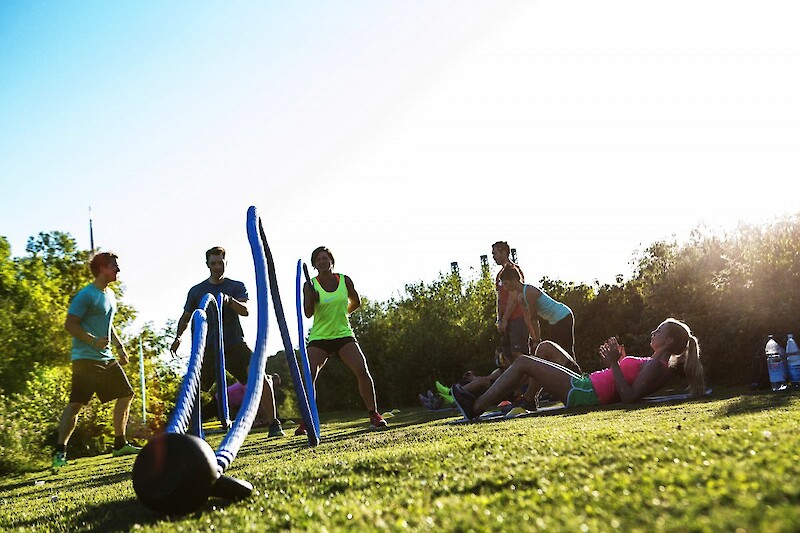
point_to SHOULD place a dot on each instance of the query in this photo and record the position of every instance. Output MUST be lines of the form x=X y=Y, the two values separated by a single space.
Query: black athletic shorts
x=330 y=346
x=237 y=361
x=104 y=378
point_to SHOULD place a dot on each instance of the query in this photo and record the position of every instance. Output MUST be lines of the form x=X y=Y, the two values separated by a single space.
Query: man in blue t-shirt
x=237 y=353
x=94 y=369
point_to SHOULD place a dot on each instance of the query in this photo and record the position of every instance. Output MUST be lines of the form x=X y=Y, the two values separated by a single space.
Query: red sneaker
x=301 y=429
x=376 y=421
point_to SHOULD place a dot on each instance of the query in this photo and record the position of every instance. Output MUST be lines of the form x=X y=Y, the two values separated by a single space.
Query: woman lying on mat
x=626 y=379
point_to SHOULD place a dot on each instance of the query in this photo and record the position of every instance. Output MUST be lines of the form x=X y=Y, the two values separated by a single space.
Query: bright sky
x=402 y=134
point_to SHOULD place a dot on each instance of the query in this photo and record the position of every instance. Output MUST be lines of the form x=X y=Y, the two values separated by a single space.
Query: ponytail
x=693 y=368
x=689 y=357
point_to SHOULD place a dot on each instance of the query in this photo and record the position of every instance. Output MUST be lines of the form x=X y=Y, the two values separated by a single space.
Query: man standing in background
x=510 y=316
x=94 y=369
x=237 y=353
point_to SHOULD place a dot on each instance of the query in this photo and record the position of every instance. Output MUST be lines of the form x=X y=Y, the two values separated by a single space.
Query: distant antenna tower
x=91 y=234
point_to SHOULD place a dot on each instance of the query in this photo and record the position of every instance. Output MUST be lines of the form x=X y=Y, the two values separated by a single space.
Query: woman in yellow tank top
x=330 y=299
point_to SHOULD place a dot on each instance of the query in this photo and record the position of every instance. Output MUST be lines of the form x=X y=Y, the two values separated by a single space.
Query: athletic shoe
x=59 y=460
x=443 y=390
x=431 y=401
x=301 y=429
x=447 y=399
x=376 y=421
x=464 y=401
x=128 y=449
x=275 y=429
x=519 y=403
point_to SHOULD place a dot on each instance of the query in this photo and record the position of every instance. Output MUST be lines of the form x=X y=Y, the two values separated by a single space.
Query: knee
x=362 y=373
x=484 y=382
x=125 y=399
x=73 y=408
x=546 y=349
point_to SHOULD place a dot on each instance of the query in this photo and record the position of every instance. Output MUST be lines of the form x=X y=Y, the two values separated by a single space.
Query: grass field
x=727 y=463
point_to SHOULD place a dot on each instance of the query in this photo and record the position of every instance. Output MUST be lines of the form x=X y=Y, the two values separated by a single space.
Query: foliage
x=720 y=465
x=731 y=288
x=285 y=398
x=35 y=291
x=436 y=331
x=34 y=294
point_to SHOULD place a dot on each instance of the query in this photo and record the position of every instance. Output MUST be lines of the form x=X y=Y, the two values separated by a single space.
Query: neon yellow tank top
x=330 y=313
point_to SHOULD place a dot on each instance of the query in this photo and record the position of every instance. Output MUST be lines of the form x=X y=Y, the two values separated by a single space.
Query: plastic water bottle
x=793 y=360
x=775 y=365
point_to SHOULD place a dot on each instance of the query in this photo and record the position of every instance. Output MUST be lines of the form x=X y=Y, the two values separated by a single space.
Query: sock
x=120 y=441
x=61 y=448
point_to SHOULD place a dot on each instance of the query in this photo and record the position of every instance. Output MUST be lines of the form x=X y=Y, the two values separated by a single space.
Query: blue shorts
x=582 y=392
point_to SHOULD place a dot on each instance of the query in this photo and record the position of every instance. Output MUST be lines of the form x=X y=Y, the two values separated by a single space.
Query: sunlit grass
x=715 y=465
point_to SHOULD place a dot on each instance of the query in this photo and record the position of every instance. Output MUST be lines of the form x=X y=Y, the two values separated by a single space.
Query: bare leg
x=266 y=409
x=354 y=358
x=316 y=360
x=549 y=351
x=121 y=409
x=478 y=386
x=69 y=419
x=553 y=377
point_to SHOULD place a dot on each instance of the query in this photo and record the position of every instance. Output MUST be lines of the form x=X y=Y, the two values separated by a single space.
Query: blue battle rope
x=233 y=440
x=294 y=370
x=187 y=415
x=189 y=392
x=312 y=396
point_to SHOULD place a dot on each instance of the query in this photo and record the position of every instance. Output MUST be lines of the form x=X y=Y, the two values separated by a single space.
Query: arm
x=237 y=306
x=354 y=300
x=498 y=310
x=123 y=355
x=650 y=378
x=73 y=327
x=531 y=295
x=310 y=298
x=511 y=306
x=183 y=321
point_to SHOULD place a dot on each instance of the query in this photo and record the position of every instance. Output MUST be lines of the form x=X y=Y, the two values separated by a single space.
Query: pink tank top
x=603 y=380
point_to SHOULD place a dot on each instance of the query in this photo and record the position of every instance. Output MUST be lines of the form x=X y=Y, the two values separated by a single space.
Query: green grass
x=716 y=465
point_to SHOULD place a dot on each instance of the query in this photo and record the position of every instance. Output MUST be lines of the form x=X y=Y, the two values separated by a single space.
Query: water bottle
x=793 y=360
x=775 y=365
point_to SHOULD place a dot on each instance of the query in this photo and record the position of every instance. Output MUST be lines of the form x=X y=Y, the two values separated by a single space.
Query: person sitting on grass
x=625 y=379
x=470 y=380
x=525 y=396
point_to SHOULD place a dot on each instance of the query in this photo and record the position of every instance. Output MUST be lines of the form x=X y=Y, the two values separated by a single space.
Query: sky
x=404 y=135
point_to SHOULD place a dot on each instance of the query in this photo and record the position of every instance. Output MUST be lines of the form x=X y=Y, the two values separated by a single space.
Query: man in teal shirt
x=94 y=369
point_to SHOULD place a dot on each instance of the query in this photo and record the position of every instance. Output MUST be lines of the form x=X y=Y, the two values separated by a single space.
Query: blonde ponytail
x=689 y=357
x=693 y=368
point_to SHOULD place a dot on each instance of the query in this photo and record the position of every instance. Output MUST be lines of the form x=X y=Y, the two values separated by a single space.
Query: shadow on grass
x=752 y=402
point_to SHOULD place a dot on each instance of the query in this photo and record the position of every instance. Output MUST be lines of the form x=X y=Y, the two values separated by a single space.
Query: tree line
x=732 y=287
